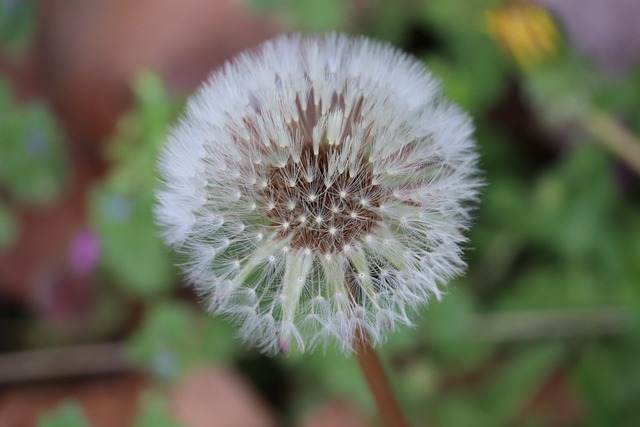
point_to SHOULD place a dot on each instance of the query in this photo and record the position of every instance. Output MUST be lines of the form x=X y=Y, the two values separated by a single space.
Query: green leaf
x=310 y=15
x=512 y=388
x=122 y=205
x=334 y=373
x=9 y=227
x=32 y=163
x=67 y=414
x=132 y=251
x=562 y=92
x=174 y=337
x=168 y=342
x=390 y=21
x=454 y=411
x=219 y=341
x=152 y=412
x=18 y=20
x=608 y=379
x=446 y=325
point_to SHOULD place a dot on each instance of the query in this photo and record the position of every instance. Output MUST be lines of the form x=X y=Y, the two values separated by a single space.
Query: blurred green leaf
x=512 y=388
x=174 y=337
x=9 y=227
x=132 y=251
x=68 y=414
x=308 y=14
x=168 y=342
x=470 y=56
x=608 y=378
x=32 y=160
x=389 y=20
x=220 y=343
x=562 y=92
x=122 y=205
x=152 y=412
x=446 y=326
x=17 y=24
x=448 y=321
x=619 y=95
x=454 y=411
x=334 y=374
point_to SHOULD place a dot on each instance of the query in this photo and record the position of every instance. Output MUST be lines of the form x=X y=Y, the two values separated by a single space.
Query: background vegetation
x=543 y=330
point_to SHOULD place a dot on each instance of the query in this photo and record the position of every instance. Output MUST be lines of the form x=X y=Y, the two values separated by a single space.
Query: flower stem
x=614 y=136
x=373 y=371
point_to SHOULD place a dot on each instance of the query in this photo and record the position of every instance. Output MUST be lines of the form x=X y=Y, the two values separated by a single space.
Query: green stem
x=615 y=137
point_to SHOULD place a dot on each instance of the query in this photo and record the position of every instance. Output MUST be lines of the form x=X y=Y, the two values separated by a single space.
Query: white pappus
x=319 y=188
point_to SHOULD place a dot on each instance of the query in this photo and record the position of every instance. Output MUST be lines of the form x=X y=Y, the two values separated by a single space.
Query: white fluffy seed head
x=328 y=183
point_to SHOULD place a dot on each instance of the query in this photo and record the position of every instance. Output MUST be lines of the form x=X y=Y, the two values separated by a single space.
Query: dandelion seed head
x=345 y=181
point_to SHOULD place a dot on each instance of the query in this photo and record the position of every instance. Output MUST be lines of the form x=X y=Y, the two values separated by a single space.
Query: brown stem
x=74 y=361
x=378 y=384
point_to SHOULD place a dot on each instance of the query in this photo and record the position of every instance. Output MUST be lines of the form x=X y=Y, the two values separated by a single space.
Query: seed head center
x=315 y=215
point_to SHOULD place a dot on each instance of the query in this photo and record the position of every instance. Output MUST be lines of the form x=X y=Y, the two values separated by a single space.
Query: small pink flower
x=84 y=253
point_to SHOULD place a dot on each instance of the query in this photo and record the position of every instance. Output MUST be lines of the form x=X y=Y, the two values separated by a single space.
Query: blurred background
x=96 y=328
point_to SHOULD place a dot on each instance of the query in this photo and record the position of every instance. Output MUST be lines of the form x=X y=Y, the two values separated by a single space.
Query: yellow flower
x=526 y=30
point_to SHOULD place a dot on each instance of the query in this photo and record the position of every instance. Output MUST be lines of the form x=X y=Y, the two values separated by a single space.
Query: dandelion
x=319 y=189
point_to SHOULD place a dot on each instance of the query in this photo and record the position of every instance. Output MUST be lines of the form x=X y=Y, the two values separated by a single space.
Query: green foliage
x=326 y=374
x=17 y=23
x=310 y=14
x=132 y=251
x=391 y=20
x=122 y=205
x=9 y=228
x=572 y=267
x=607 y=376
x=32 y=160
x=509 y=390
x=153 y=413
x=176 y=337
x=468 y=55
x=562 y=91
x=555 y=234
x=67 y=414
